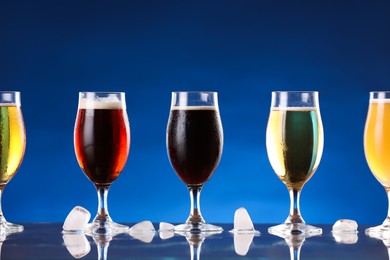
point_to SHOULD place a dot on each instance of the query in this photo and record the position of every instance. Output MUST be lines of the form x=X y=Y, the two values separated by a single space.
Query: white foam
x=101 y=103
x=380 y=101
x=193 y=108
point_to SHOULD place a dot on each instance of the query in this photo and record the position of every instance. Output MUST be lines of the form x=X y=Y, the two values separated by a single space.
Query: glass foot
x=197 y=228
x=381 y=232
x=105 y=228
x=7 y=227
x=294 y=229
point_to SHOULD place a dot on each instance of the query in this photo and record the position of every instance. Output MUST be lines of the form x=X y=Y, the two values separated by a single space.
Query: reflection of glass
x=194 y=144
x=102 y=143
x=385 y=237
x=294 y=146
x=295 y=243
x=377 y=147
x=12 y=146
x=195 y=241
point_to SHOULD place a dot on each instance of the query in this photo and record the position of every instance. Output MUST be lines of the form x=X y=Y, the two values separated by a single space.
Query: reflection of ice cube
x=242 y=243
x=143 y=231
x=345 y=225
x=243 y=222
x=345 y=238
x=76 y=220
x=166 y=230
x=77 y=245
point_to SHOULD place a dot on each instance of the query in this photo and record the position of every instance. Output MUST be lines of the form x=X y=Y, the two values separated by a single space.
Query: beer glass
x=194 y=144
x=102 y=144
x=294 y=141
x=377 y=147
x=12 y=147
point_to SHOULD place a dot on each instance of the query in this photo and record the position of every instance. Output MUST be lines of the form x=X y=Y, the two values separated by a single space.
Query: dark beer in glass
x=194 y=144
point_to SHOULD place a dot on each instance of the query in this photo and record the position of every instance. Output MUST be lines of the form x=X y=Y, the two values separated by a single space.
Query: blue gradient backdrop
x=51 y=50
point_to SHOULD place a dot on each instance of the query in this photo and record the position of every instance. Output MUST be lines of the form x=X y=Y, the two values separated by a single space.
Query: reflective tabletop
x=46 y=241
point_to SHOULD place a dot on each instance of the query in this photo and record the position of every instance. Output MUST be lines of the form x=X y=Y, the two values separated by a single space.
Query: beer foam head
x=380 y=100
x=101 y=103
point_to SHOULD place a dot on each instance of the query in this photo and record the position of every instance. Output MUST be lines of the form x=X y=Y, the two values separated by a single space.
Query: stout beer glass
x=377 y=147
x=194 y=144
x=12 y=146
x=294 y=142
x=102 y=143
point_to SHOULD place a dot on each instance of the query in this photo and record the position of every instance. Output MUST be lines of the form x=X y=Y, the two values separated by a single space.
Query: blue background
x=51 y=50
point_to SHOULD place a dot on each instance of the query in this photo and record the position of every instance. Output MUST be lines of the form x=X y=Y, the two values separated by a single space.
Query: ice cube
x=77 y=244
x=345 y=226
x=164 y=226
x=242 y=242
x=76 y=220
x=143 y=231
x=166 y=230
x=243 y=222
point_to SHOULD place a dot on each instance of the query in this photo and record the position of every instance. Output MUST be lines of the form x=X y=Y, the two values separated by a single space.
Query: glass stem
x=295 y=253
x=2 y=218
x=102 y=252
x=295 y=213
x=386 y=223
x=195 y=215
x=102 y=214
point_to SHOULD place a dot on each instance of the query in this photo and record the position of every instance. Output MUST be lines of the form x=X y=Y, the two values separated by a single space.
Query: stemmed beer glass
x=102 y=144
x=194 y=144
x=377 y=149
x=294 y=142
x=12 y=147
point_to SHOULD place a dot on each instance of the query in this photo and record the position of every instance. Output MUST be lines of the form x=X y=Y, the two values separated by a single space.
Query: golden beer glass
x=12 y=146
x=295 y=141
x=377 y=147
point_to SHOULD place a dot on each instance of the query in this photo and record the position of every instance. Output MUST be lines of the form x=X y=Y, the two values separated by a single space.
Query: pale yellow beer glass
x=377 y=147
x=295 y=140
x=12 y=147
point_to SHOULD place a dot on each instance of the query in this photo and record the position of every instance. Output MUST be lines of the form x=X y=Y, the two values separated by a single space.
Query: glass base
x=7 y=227
x=197 y=228
x=105 y=228
x=380 y=232
x=294 y=229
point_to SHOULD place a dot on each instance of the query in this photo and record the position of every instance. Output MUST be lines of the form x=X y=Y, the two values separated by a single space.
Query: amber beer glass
x=194 y=144
x=294 y=141
x=102 y=144
x=377 y=147
x=12 y=146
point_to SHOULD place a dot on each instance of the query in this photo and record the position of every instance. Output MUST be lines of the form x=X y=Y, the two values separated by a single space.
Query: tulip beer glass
x=194 y=144
x=12 y=146
x=377 y=148
x=294 y=141
x=102 y=144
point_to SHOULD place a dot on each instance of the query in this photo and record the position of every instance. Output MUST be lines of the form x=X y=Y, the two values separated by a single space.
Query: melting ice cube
x=76 y=220
x=166 y=230
x=345 y=231
x=243 y=222
x=143 y=231
x=345 y=226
